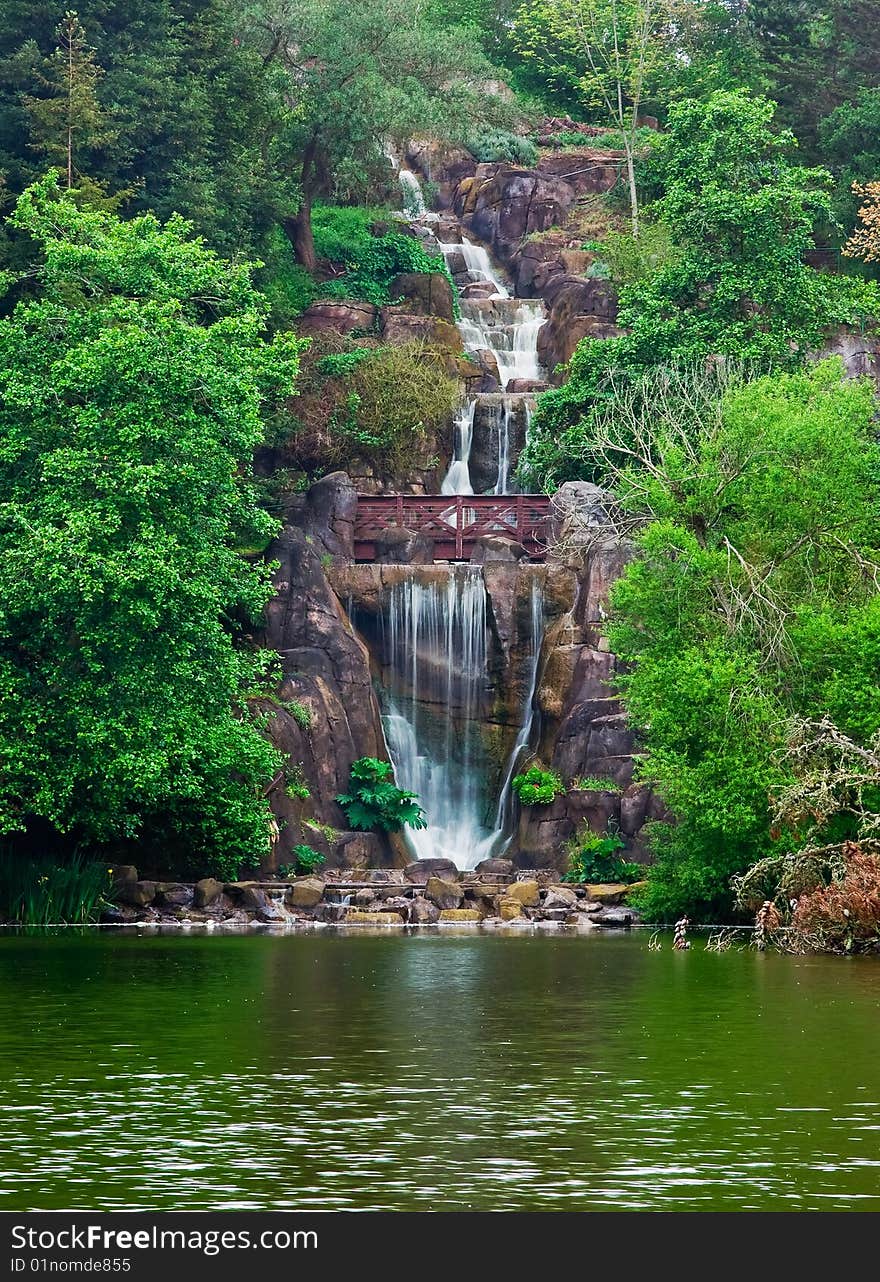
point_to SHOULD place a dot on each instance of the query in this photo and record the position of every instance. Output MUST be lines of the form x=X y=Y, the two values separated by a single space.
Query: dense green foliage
x=370 y=250
x=131 y=389
x=537 y=786
x=594 y=857
x=751 y=600
x=739 y=215
x=375 y=801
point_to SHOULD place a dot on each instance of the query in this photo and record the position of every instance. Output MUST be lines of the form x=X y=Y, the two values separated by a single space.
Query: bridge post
x=400 y=510
x=459 y=528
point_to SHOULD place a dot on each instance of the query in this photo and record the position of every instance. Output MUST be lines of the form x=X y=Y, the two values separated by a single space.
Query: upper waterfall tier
x=499 y=330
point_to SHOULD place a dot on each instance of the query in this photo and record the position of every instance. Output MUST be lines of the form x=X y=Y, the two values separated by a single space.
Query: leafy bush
x=630 y=260
x=338 y=364
x=537 y=786
x=45 y=892
x=307 y=860
x=371 y=251
x=296 y=785
x=375 y=801
x=287 y=285
x=497 y=144
x=593 y=857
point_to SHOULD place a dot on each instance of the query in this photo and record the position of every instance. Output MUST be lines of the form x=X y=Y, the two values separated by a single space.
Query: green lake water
x=433 y=1071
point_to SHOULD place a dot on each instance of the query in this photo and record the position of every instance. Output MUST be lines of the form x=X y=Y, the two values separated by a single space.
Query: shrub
x=307 y=860
x=338 y=364
x=45 y=892
x=375 y=801
x=537 y=786
x=843 y=916
x=497 y=144
x=593 y=857
x=372 y=252
x=296 y=785
x=629 y=260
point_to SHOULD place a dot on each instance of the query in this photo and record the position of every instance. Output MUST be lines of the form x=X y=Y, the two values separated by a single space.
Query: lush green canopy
x=131 y=389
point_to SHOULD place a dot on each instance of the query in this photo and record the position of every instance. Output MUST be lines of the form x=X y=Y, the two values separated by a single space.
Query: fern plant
x=374 y=800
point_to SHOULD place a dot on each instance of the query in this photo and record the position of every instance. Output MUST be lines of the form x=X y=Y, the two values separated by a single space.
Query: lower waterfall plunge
x=436 y=699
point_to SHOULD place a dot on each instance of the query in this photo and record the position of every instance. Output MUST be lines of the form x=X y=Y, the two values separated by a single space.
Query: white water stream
x=437 y=686
x=436 y=699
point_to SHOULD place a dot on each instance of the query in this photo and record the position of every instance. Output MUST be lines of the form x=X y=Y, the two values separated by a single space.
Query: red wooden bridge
x=453 y=521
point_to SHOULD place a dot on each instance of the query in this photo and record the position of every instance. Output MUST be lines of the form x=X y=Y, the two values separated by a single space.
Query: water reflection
x=415 y=1071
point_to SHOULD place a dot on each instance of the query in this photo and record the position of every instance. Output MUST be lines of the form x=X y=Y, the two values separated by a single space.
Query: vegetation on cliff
x=132 y=383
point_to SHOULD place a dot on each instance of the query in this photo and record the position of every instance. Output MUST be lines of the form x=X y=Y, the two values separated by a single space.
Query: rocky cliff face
x=519 y=214
x=327 y=623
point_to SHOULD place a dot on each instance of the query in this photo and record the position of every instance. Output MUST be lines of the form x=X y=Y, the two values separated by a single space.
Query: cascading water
x=436 y=691
x=492 y=322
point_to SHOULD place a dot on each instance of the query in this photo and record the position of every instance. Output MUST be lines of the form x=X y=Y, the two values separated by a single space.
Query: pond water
x=438 y=1071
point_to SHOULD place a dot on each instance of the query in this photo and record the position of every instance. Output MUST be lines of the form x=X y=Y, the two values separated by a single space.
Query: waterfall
x=436 y=697
x=505 y=326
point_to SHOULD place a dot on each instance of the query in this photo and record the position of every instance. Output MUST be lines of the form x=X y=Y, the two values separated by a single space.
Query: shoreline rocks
x=413 y=897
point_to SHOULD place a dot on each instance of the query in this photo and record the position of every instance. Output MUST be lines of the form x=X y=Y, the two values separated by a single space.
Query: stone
x=509 y=909
x=364 y=896
x=496 y=547
x=616 y=917
x=560 y=897
x=305 y=892
x=526 y=893
x=247 y=896
x=527 y=385
x=340 y=317
x=422 y=912
x=460 y=914
x=555 y=914
x=608 y=892
x=397 y=904
x=495 y=867
x=174 y=894
x=354 y=917
x=425 y=294
x=124 y=873
x=486 y=890
x=385 y=876
x=206 y=891
x=399 y=546
x=136 y=893
x=445 y=894
x=420 y=870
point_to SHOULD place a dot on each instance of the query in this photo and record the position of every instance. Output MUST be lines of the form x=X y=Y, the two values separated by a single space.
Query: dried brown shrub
x=843 y=916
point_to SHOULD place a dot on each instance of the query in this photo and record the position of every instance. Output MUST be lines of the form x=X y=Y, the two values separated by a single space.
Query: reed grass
x=46 y=891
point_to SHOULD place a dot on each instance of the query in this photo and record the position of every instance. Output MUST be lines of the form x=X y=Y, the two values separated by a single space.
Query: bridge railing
x=453 y=521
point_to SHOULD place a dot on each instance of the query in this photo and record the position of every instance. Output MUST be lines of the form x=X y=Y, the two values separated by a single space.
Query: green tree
x=361 y=77
x=755 y=517
x=130 y=404
x=68 y=117
x=612 y=45
x=737 y=283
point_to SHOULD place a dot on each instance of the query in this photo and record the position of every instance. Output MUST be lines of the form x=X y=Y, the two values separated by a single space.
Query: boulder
x=461 y=915
x=526 y=893
x=445 y=894
x=616 y=917
x=246 y=896
x=495 y=867
x=608 y=892
x=340 y=317
x=420 y=870
x=385 y=876
x=509 y=909
x=123 y=873
x=422 y=912
x=425 y=294
x=399 y=546
x=206 y=891
x=305 y=892
x=363 y=897
x=397 y=904
x=174 y=894
x=136 y=893
x=354 y=917
x=496 y=547
x=560 y=897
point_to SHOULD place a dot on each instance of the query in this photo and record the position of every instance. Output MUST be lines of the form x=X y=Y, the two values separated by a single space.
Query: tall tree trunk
x=298 y=227
x=633 y=194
